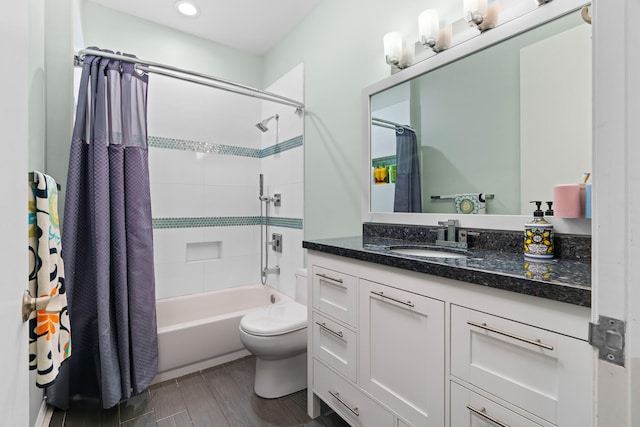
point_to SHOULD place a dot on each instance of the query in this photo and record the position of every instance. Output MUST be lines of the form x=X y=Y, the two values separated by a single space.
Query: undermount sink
x=427 y=252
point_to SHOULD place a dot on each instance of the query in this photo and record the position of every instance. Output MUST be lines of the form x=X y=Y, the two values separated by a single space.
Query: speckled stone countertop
x=566 y=279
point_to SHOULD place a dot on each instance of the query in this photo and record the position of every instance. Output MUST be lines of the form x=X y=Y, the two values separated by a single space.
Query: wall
x=340 y=61
x=284 y=174
x=59 y=90
x=205 y=160
x=340 y=44
x=109 y=29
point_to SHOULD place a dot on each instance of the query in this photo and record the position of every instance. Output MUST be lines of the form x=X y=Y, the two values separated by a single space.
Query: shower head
x=263 y=124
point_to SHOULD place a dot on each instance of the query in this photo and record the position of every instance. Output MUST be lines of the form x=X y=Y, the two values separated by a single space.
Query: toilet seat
x=275 y=319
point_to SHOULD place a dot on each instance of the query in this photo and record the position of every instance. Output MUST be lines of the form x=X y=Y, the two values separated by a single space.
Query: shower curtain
x=408 y=193
x=107 y=240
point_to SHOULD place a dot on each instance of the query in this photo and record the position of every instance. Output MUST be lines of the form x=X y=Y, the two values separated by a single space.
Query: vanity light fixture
x=490 y=20
x=474 y=11
x=444 y=39
x=429 y=28
x=187 y=8
x=393 y=49
x=478 y=13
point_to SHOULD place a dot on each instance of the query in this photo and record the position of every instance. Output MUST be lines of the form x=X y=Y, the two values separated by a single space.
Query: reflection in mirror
x=495 y=129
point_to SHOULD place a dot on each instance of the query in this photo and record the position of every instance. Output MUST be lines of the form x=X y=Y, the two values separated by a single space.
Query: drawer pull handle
x=507 y=334
x=328 y=329
x=336 y=395
x=382 y=295
x=324 y=276
x=486 y=416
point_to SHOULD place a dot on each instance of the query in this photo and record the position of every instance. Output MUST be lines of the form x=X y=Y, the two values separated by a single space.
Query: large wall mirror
x=504 y=122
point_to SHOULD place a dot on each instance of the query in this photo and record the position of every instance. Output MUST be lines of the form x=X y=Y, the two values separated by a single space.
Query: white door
x=14 y=373
x=616 y=213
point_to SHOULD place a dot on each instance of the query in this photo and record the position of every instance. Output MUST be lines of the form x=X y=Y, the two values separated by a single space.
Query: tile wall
x=205 y=158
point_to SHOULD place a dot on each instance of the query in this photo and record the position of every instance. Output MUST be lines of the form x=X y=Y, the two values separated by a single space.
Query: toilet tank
x=301 y=286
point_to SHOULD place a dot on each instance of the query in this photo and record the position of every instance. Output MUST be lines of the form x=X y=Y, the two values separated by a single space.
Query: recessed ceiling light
x=187 y=8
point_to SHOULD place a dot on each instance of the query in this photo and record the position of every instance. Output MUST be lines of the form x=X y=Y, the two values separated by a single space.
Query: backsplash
x=567 y=246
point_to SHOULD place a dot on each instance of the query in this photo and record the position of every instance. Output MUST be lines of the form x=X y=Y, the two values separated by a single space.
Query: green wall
x=340 y=43
x=109 y=29
x=59 y=90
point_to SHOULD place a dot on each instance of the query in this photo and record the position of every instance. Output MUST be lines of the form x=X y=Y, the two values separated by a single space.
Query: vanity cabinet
x=397 y=348
x=401 y=360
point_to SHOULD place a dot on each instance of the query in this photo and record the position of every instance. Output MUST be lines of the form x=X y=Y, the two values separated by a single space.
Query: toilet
x=277 y=336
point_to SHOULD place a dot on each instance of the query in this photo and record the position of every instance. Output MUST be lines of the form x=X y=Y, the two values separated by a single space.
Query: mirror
x=508 y=121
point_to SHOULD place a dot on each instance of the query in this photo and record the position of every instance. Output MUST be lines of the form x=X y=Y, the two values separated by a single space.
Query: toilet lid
x=275 y=319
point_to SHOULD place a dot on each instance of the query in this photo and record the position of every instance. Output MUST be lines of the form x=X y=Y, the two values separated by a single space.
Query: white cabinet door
x=542 y=372
x=402 y=340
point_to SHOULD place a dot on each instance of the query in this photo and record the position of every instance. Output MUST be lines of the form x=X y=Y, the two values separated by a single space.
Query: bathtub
x=199 y=331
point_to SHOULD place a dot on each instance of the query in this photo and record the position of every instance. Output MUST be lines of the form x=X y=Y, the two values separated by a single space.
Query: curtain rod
x=193 y=77
x=389 y=124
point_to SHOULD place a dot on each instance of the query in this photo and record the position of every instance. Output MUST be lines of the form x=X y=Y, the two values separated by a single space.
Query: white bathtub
x=199 y=331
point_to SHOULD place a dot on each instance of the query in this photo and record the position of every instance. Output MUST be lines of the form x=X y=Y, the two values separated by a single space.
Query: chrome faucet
x=454 y=238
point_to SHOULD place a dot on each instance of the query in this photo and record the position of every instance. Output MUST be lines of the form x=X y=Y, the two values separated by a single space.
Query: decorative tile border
x=285 y=222
x=202 y=147
x=231 y=150
x=224 y=221
x=283 y=146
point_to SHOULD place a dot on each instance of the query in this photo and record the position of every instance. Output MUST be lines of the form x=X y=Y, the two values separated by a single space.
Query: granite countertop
x=565 y=280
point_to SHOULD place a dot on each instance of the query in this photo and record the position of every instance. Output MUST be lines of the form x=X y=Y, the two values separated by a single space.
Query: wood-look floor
x=221 y=396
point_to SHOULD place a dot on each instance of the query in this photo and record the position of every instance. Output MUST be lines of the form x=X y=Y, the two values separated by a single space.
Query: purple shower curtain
x=108 y=241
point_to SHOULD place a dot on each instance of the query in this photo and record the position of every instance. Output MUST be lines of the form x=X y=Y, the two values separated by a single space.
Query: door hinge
x=608 y=337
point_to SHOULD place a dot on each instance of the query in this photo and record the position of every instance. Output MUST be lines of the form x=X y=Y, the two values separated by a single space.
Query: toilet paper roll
x=568 y=200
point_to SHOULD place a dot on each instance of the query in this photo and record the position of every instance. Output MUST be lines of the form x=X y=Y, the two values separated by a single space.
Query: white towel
x=49 y=332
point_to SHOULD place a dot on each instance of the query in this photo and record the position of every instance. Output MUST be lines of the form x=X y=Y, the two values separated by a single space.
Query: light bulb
x=393 y=47
x=429 y=27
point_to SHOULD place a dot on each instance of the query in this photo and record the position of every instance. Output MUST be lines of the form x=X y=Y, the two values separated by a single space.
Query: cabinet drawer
x=335 y=294
x=545 y=373
x=349 y=402
x=469 y=409
x=335 y=345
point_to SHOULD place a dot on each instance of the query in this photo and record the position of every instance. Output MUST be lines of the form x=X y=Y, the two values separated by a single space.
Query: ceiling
x=252 y=26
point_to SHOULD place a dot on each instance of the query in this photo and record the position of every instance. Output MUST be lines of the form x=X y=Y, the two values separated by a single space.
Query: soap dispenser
x=538 y=236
